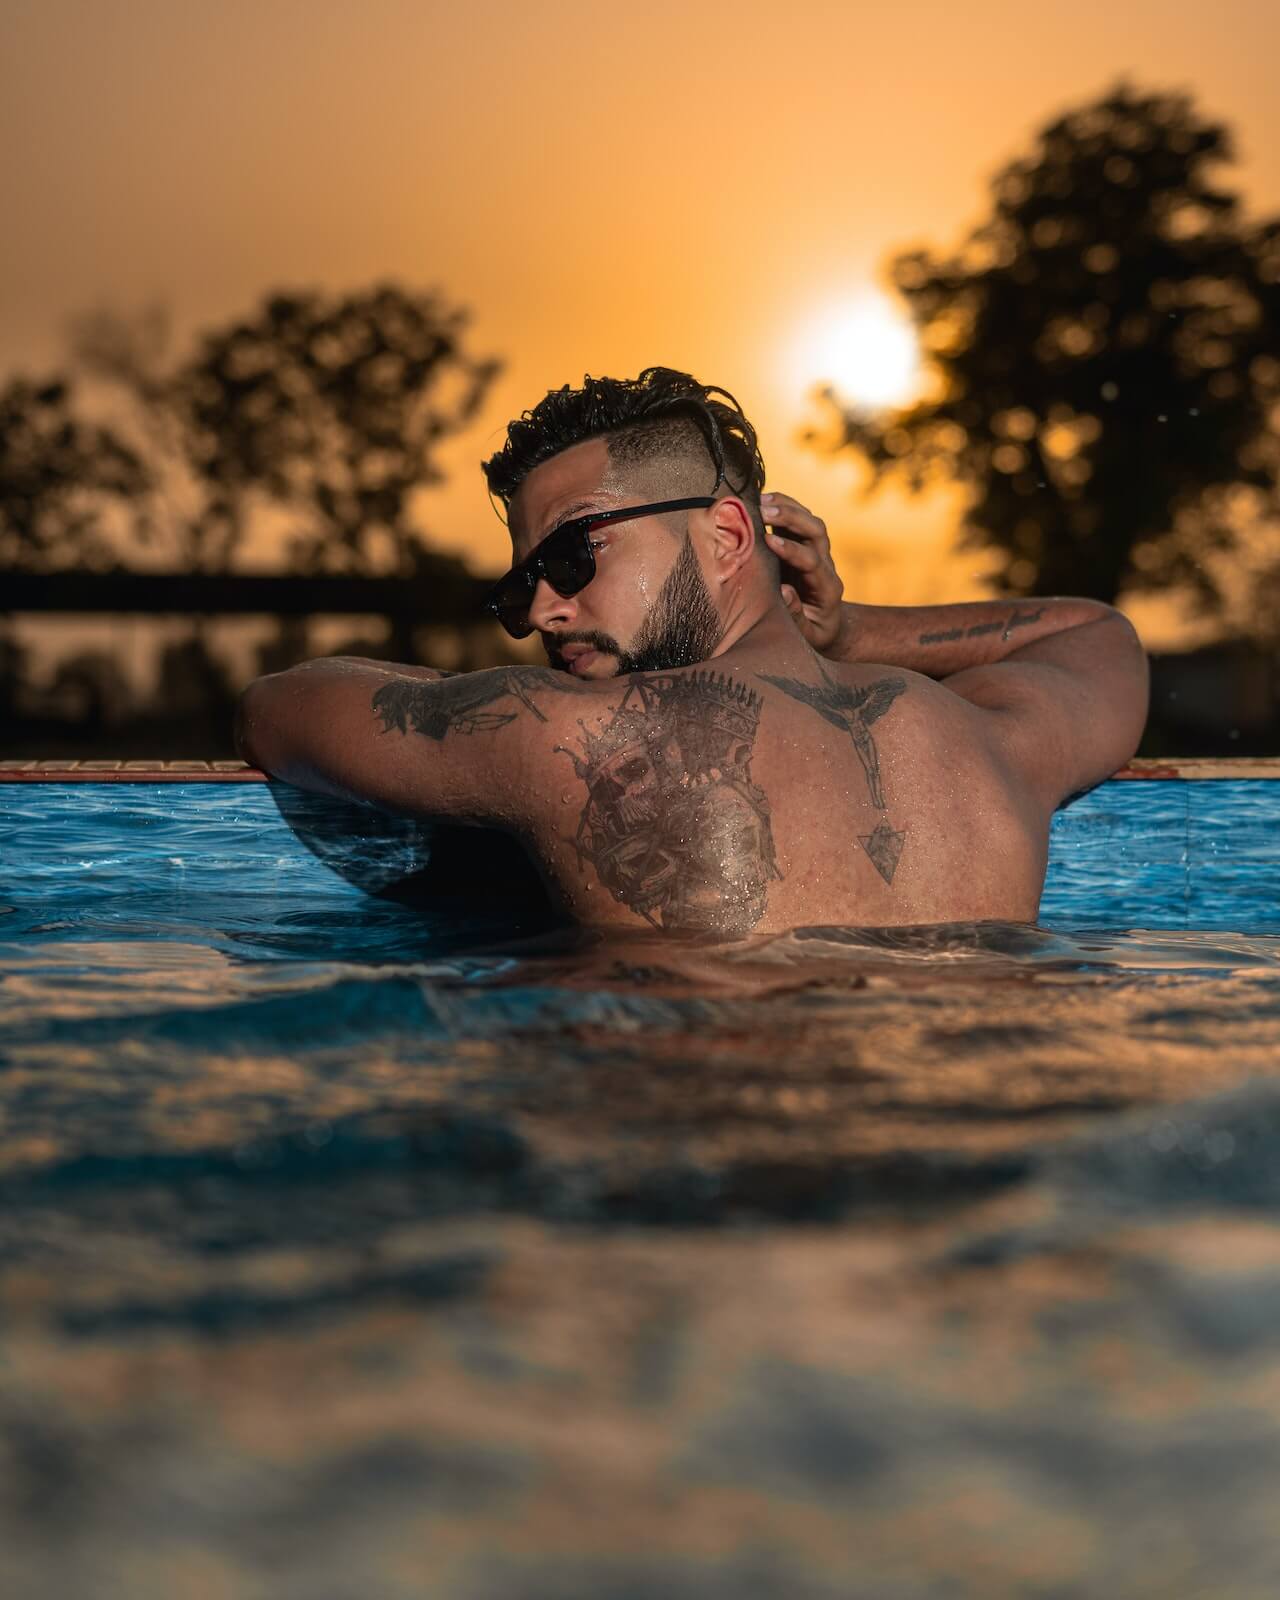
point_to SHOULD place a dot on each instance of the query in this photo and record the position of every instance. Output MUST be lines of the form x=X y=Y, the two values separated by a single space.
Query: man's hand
x=811 y=586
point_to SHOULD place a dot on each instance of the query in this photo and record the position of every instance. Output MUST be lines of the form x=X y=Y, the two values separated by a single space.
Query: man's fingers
x=788 y=512
x=794 y=552
x=774 y=497
x=781 y=511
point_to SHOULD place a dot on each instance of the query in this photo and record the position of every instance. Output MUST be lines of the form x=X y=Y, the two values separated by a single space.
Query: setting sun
x=865 y=348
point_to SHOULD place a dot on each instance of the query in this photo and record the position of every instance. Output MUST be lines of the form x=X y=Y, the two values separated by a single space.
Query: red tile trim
x=1196 y=767
x=129 y=772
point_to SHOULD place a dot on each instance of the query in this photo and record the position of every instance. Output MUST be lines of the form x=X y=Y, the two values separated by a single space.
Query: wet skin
x=756 y=788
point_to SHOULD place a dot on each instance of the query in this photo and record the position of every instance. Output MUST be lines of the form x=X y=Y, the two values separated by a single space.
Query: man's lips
x=577 y=657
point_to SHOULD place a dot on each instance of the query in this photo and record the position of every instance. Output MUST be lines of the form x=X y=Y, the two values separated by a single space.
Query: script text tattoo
x=978 y=630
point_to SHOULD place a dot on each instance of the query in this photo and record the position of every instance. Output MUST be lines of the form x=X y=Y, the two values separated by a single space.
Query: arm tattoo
x=674 y=825
x=458 y=704
x=1016 y=619
x=853 y=711
x=1020 y=619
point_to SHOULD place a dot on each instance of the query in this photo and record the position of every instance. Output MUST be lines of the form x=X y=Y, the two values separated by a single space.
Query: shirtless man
x=713 y=749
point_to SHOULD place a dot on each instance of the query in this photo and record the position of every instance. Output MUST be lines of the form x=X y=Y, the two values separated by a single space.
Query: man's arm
x=1071 y=705
x=936 y=641
x=943 y=641
x=326 y=664
x=398 y=668
x=415 y=741
x=1067 y=679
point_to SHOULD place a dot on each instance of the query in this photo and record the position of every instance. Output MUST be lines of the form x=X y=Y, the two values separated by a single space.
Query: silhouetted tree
x=89 y=690
x=323 y=413
x=1105 y=354
x=56 y=473
x=192 y=683
x=13 y=668
x=329 y=408
x=171 y=517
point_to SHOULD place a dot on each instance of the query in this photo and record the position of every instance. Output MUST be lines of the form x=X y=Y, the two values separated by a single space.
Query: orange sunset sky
x=699 y=184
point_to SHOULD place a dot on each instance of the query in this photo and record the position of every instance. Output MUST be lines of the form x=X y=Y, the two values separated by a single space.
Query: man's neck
x=760 y=619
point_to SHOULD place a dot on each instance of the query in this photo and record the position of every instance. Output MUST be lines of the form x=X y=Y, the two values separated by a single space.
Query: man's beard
x=681 y=629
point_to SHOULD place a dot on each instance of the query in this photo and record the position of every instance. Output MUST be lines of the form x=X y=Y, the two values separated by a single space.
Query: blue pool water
x=270 y=866
x=360 y=1235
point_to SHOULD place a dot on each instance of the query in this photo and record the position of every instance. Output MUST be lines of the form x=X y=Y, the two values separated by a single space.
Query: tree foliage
x=327 y=410
x=56 y=470
x=333 y=409
x=1105 y=359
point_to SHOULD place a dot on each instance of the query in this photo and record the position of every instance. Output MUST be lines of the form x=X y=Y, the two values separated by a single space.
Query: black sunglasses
x=566 y=559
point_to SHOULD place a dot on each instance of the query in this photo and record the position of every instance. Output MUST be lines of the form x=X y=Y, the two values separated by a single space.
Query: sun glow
x=865 y=349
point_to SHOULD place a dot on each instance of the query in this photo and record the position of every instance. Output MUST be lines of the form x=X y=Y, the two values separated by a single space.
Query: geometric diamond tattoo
x=884 y=846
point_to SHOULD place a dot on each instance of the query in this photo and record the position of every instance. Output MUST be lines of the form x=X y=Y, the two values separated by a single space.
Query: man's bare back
x=719 y=743
x=765 y=789
x=732 y=799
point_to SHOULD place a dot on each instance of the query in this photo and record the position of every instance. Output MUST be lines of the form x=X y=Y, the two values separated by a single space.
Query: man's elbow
x=1132 y=677
x=254 y=723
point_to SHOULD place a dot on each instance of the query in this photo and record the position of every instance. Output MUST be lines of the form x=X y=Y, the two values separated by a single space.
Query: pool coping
x=99 y=771
x=66 y=771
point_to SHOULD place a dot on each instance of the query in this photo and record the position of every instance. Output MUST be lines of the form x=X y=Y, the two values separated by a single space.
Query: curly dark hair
x=662 y=416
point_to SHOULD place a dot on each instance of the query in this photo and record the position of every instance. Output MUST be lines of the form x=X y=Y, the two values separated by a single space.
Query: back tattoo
x=674 y=825
x=853 y=711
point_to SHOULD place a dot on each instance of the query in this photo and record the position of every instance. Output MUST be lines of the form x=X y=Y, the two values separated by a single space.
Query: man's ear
x=733 y=537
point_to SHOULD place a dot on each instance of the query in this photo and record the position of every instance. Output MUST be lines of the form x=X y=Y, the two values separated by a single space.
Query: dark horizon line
x=425 y=599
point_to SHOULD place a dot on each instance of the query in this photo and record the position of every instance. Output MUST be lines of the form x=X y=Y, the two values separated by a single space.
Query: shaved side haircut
x=667 y=435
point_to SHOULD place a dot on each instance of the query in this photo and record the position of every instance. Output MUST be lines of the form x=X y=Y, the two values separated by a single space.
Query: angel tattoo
x=853 y=711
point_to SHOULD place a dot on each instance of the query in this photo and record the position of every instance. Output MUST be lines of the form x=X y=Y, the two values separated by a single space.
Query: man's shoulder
x=866 y=692
x=728 y=695
x=546 y=693
x=476 y=702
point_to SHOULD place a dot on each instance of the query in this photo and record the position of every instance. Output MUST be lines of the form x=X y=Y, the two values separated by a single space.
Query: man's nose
x=549 y=610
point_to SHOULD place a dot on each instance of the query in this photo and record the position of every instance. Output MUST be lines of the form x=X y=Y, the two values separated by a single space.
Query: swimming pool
x=357 y=1246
